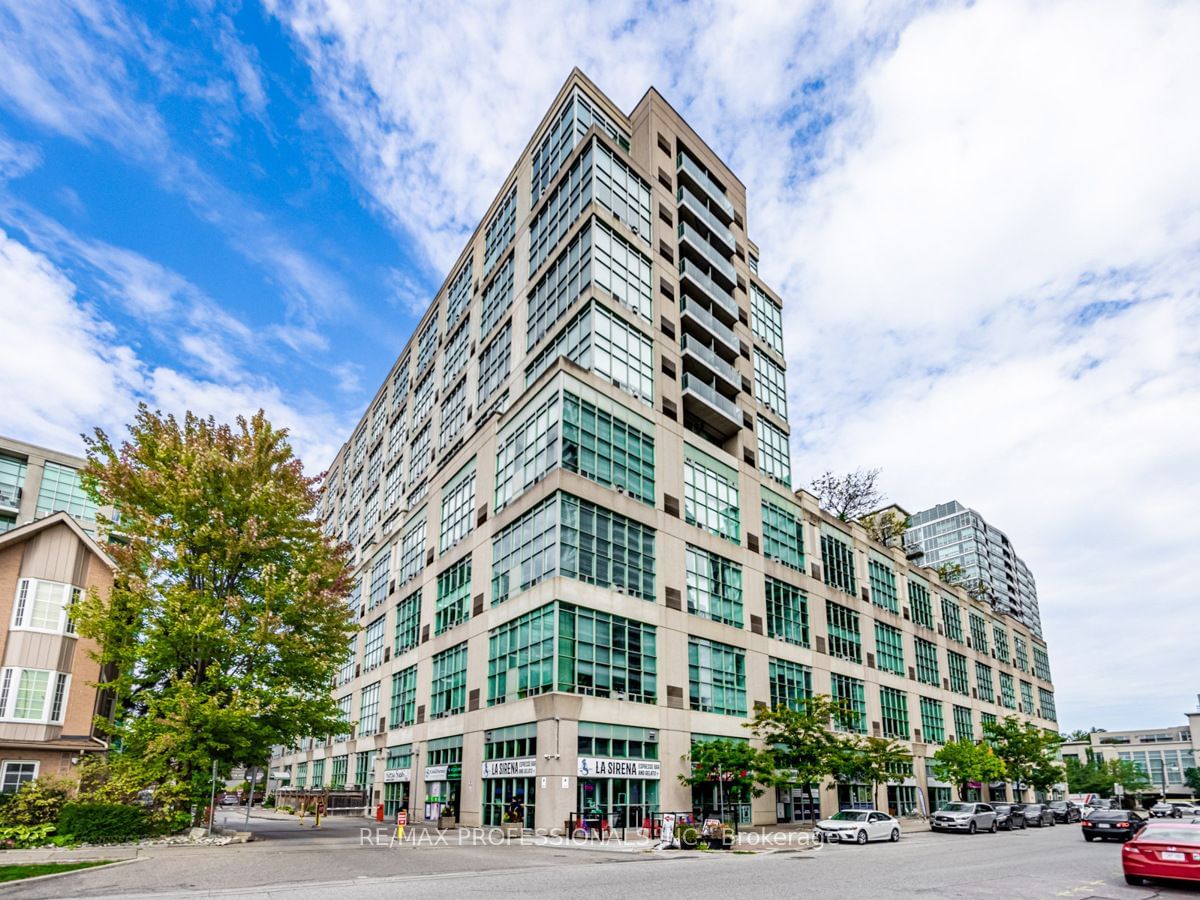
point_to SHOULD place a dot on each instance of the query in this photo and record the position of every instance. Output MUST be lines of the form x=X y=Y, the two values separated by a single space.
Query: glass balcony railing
x=702 y=180
x=718 y=228
x=715 y=293
x=710 y=395
x=710 y=324
x=718 y=366
x=10 y=497
x=710 y=253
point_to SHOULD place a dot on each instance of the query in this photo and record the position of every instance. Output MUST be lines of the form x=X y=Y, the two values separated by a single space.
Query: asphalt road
x=1046 y=863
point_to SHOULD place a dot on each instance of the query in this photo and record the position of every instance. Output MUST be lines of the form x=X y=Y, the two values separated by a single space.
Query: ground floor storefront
x=564 y=770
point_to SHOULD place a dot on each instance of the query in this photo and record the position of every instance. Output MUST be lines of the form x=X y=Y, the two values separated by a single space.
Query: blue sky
x=984 y=219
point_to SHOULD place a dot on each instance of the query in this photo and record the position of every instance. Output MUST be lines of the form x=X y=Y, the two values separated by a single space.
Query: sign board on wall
x=391 y=776
x=599 y=767
x=523 y=767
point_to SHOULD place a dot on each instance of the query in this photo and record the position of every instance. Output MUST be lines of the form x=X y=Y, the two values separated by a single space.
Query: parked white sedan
x=858 y=826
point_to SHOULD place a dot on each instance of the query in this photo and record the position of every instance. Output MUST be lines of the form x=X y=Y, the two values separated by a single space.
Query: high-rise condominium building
x=577 y=548
x=951 y=533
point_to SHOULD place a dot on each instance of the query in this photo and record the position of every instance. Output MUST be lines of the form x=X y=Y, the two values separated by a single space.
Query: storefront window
x=509 y=771
x=443 y=776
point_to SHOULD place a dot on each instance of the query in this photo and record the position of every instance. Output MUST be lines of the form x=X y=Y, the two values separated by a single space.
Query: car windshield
x=1110 y=814
x=847 y=815
x=1033 y=807
x=958 y=807
x=1058 y=804
x=1170 y=834
x=1003 y=808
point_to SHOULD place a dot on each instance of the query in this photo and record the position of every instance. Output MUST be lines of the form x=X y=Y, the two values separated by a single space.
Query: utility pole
x=212 y=801
x=250 y=798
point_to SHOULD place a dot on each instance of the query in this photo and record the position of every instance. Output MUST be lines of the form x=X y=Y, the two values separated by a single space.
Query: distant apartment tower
x=35 y=482
x=577 y=552
x=48 y=556
x=952 y=533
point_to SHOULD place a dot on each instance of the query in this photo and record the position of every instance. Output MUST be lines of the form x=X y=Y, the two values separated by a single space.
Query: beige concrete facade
x=1163 y=754
x=46 y=724
x=699 y=331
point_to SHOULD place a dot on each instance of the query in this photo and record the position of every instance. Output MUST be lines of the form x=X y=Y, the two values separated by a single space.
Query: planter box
x=513 y=829
x=445 y=822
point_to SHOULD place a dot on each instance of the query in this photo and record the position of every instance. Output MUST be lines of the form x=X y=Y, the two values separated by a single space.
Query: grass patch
x=32 y=870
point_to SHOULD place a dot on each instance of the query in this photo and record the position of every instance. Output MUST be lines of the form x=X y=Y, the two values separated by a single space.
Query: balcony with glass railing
x=708 y=325
x=695 y=279
x=10 y=498
x=696 y=174
x=697 y=354
x=690 y=237
x=717 y=229
x=704 y=401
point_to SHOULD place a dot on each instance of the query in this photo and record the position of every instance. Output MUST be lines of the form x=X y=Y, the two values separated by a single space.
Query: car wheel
x=1089 y=837
x=993 y=828
x=1134 y=879
x=861 y=838
x=895 y=835
x=971 y=827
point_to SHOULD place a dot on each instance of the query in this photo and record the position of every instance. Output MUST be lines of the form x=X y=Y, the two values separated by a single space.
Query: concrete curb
x=115 y=853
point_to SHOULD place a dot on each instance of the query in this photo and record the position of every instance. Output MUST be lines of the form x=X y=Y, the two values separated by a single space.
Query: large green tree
x=963 y=761
x=227 y=617
x=1029 y=753
x=799 y=740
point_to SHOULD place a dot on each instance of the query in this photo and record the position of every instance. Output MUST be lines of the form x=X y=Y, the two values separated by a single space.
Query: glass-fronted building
x=950 y=533
x=36 y=482
x=570 y=503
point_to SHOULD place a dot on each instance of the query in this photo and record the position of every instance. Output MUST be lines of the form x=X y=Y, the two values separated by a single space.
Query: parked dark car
x=1066 y=810
x=1163 y=850
x=1039 y=815
x=1165 y=810
x=1010 y=816
x=1114 y=824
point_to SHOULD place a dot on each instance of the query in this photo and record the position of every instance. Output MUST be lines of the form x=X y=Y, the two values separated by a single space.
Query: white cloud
x=17 y=158
x=65 y=372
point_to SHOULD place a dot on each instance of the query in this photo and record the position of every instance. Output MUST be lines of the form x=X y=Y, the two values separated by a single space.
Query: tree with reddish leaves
x=227 y=618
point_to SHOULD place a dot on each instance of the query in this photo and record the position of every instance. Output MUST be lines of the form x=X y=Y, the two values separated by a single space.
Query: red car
x=1163 y=850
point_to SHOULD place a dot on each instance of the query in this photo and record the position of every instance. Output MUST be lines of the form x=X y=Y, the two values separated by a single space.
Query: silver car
x=968 y=817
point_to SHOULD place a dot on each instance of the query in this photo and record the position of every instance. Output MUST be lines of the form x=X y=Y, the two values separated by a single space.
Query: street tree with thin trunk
x=1029 y=753
x=739 y=770
x=228 y=617
x=872 y=761
x=799 y=740
x=963 y=761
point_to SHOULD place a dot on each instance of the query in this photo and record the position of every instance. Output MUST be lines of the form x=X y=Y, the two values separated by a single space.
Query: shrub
x=37 y=802
x=22 y=837
x=103 y=823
